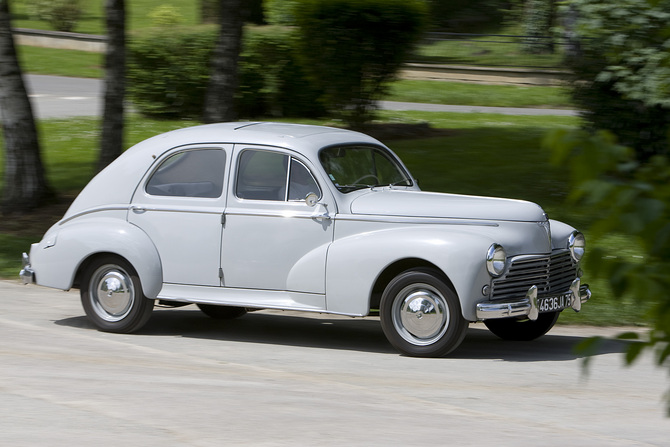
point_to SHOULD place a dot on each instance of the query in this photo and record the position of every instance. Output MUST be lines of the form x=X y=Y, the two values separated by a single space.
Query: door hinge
x=220 y=273
x=223 y=219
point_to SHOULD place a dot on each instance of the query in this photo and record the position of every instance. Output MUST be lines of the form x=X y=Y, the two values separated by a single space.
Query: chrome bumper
x=27 y=274
x=527 y=306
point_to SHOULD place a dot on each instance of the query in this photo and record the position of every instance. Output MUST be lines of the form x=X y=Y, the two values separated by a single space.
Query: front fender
x=355 y=263
x=58 y=257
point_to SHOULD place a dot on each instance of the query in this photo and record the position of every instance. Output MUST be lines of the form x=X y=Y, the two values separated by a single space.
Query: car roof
x=116 y=184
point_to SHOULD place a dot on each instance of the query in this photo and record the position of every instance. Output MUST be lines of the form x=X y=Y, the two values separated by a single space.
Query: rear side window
x=193 y=173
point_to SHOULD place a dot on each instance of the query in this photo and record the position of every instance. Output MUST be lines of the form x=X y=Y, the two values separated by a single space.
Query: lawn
x=92 y=21
x=481 y=154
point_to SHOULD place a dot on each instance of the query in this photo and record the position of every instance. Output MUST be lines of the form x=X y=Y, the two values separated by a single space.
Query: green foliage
x=63 y=15
x=467 y=16
x=632 y=199
x=168 y=71
x=537 y=23
x=622 y=76
x=165 y=16
x=272 y=81
x=280 y=12
x=353 y=49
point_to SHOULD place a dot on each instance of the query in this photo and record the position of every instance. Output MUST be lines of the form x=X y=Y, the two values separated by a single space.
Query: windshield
x=358 y=167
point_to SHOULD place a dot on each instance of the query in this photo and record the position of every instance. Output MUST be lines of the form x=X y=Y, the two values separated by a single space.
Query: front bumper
x=27 y=274
x=527 y=306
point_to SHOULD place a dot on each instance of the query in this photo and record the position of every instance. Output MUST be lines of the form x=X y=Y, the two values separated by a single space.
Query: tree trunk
x=25 y=186
x=111 y=140
x=219 y=102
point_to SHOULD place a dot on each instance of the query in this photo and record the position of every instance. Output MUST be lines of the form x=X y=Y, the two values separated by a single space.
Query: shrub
x=165 y=15
x=622 y=74
x=272 y=80
x=62 y=15
x=280 y=12
x=168 y=74
x=352 y=49
x=168 y=71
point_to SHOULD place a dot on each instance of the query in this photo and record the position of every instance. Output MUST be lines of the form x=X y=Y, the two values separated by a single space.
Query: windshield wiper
x=353 y=187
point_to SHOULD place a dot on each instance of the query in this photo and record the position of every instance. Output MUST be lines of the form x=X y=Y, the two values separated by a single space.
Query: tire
x=112 y=297
x=514 y=329
x=222 y=312
x=421 y=315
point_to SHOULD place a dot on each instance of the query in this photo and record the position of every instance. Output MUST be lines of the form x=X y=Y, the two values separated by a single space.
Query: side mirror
x=311 y=199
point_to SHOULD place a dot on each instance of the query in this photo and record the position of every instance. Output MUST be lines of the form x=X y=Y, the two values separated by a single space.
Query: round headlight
x=495 y=260
x=577 y=245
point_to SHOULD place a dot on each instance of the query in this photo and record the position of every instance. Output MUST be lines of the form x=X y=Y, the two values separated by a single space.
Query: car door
x=274 y=239
x=180 y=205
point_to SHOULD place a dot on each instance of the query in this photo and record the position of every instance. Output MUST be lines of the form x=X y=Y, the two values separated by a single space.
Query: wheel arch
x=398 y=267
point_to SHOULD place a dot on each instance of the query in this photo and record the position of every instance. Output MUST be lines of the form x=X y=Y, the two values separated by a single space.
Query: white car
x=242 y=216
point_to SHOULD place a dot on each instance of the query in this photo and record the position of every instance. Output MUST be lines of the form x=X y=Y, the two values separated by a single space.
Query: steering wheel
x=366 y=176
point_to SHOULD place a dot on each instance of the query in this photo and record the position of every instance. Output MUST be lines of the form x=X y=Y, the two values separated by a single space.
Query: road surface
x=62 y=97
x=287 y=379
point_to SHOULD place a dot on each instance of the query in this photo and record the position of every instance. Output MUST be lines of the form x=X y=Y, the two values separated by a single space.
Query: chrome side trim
x=527 y=306
x=414 y=220
x=95 y=210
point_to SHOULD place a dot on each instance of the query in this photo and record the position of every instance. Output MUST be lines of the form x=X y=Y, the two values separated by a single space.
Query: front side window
x=358 y=167
x=193 y=173
x=265 y=175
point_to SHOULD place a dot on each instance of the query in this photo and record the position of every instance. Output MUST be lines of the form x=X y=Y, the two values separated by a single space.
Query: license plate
x=554 y=303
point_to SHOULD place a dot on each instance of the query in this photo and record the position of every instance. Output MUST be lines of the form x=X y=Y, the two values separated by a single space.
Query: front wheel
x=515 y=329
x=421 y=315
x=112 y=297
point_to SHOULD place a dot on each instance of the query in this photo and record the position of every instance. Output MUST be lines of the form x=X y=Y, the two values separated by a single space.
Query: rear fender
x=65 y=250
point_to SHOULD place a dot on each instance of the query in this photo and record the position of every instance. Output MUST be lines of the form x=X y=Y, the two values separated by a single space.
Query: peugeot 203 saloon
x=242 y=216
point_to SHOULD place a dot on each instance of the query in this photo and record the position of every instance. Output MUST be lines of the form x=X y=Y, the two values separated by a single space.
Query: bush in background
x=165 y=15
x=168 y=73
x=62 y=15
x=352 y=49
x=272 y=80
x=622 y=72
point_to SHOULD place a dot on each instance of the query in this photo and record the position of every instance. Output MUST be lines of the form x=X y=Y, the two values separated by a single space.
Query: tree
x=537 y=23
x=219 y=101
x=353 y=49
x=25 y=185
x=631 y=199
x=111 y=141
x=622 y=71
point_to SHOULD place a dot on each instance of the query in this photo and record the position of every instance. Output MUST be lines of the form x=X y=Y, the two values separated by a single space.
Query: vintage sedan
x=242 y=216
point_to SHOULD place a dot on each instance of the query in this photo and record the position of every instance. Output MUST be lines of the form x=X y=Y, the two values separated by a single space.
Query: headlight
x=577 y=245
x=495 y=260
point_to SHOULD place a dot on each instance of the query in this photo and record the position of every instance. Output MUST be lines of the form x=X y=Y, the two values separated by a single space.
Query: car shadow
x=354 y=334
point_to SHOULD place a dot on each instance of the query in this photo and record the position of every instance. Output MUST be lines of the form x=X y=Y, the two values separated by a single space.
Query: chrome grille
x=551 y=274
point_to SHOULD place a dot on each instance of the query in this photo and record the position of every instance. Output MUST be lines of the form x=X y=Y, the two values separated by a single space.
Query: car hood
x=437 y=205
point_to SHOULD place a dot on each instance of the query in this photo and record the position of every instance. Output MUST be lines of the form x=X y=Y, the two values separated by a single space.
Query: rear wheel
x=515 y=329
x=421 y=315
x=222 y=312
x=112 y=297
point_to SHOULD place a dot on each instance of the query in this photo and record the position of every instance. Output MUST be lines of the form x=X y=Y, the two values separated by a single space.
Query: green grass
x=486 y=50
x=92 y=21
x=49 y=61
x=457 y=93
x=484 y=154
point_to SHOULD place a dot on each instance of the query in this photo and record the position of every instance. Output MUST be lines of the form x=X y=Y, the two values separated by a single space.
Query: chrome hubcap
x=112 y=293
x=420 y=314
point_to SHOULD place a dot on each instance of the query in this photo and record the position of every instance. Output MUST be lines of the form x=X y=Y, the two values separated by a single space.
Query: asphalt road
x=62 y=97
x=282 y=378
